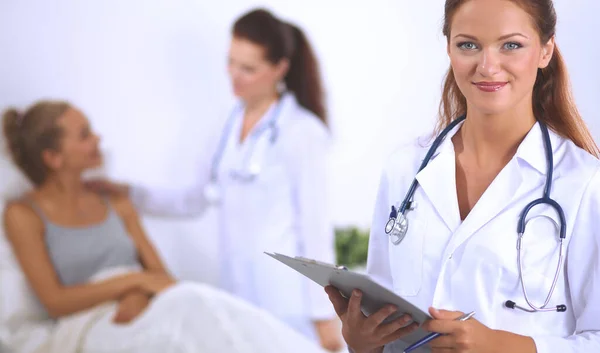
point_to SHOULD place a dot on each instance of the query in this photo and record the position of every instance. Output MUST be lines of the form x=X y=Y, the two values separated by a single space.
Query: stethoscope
x=397 y=225
x=250 y=167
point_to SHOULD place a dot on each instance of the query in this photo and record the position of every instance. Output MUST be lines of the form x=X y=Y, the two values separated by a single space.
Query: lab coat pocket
x=406 y=258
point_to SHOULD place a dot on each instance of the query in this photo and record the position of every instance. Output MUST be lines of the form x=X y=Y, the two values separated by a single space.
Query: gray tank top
x=78 y=253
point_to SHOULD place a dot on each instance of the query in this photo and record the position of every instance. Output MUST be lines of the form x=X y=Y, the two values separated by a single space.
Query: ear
x=282 y=68
x=547 y=52
x=52 y=159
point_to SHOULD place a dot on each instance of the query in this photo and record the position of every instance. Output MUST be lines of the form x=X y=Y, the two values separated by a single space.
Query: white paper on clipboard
x=375 y=296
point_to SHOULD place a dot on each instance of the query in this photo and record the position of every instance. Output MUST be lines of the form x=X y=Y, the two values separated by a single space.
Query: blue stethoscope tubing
x=397 y=225
x=228 y=130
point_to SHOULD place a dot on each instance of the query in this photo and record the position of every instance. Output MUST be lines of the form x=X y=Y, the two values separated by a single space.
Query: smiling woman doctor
x=502 y=217
x=268 y=177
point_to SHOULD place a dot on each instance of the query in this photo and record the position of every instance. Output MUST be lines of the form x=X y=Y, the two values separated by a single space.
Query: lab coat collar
x=513 y=181
x=532 y=150
x=438 y=180
x=442 y=190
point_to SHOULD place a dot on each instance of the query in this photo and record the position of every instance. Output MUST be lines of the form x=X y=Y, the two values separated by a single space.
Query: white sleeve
x=583 y=276
x=170 y=202
x=174 y=201
x=309 y=168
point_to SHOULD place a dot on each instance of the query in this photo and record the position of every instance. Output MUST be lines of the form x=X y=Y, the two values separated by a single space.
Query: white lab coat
x=284 y=210
x=472 y=265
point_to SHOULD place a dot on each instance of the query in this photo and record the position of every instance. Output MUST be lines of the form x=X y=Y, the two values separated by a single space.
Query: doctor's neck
x=495 y=137
x=257 y=107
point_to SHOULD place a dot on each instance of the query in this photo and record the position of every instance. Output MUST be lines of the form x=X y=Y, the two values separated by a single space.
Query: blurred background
x=151 y=76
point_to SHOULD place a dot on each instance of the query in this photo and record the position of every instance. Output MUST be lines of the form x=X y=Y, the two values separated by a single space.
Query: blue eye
x=467 y=45
x=512 y=46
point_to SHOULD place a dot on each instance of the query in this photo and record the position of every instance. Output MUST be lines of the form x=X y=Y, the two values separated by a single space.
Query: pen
x=434 y=335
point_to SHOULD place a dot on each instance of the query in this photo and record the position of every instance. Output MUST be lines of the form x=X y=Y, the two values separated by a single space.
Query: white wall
x=151 y=76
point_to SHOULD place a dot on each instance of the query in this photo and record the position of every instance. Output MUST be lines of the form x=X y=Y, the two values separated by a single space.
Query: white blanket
x=186 y=318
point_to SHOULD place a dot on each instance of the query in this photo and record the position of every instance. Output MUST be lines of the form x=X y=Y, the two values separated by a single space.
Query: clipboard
x=375 y=296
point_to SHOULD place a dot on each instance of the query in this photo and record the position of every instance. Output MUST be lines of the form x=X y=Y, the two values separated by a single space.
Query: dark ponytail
x=283 y=40
x=304 y=78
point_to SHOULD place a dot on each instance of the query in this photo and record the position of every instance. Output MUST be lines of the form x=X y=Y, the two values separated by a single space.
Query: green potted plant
x=352 y=247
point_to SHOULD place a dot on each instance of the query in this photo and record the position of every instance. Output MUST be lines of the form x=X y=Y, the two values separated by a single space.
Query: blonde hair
x=31 y=132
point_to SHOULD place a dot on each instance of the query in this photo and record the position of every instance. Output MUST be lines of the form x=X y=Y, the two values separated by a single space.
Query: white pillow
x=23 y=320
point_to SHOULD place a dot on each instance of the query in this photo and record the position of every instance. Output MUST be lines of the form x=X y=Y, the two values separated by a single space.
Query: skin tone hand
x=153 y=283
x=329 y=333
x=471 y=336
x=131 y=306
x=107 y=187
x=135 y=302
x=367 y=334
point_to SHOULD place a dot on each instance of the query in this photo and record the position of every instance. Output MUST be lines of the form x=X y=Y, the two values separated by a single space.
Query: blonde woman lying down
x=90 y=264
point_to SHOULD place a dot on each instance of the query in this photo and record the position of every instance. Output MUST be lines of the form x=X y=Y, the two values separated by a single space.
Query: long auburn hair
x=553 y=102
x=283 y=40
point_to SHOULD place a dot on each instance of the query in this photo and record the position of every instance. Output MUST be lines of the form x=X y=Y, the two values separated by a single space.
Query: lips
x=490 y=86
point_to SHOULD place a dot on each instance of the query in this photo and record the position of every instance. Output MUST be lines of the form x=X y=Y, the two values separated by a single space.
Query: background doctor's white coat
x=151 y=76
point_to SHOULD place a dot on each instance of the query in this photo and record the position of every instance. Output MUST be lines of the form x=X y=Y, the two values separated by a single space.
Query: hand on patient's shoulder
x=124 y=207
x=131 y=306
x=105 y=186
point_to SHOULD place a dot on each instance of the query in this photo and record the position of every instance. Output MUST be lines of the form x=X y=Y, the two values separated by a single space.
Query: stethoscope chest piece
x=212 y=193
x=396 y=228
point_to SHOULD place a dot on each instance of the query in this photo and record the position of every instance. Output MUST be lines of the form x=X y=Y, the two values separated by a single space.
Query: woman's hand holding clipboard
x=377 y=316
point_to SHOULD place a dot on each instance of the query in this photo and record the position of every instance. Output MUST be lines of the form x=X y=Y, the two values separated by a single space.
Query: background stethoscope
x=397 y=225
x=250 y=167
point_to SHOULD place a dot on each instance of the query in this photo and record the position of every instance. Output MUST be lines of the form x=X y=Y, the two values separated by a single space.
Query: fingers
x=97 y=185
x=442 y=343
x=340 y=304
x=443 y=350
x=443 y=321
x=442 y=326
x=401 y=332
x=444 y=314
x=329 y=334
x=391 y=327
x=377 y=318
x=354 y=312
x=122 y=317
x=332 y=343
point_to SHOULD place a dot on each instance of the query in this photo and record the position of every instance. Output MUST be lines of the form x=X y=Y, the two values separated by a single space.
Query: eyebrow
x=506 y=36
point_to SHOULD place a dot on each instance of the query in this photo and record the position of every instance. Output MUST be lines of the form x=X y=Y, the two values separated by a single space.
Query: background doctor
x=460 y=252
x=268 y=177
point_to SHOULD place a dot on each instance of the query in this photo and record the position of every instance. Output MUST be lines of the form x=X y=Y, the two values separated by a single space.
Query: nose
x=489 y=63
